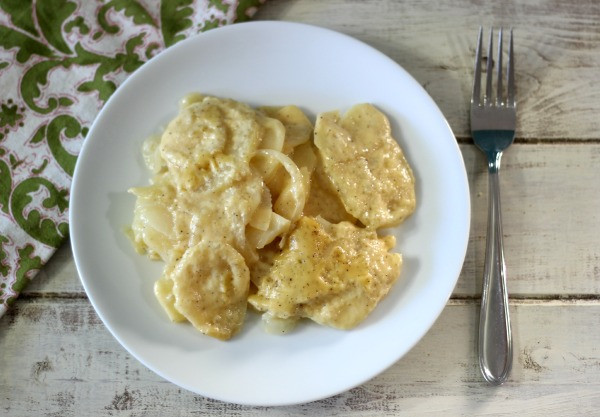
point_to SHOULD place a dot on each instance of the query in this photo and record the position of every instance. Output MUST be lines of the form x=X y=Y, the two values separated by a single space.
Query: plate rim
x=79 y=261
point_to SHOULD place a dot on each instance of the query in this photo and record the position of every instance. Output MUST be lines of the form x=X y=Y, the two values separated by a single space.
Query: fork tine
x=476 y=97
x=510 y=99
x=499 y=94
x=488 y=77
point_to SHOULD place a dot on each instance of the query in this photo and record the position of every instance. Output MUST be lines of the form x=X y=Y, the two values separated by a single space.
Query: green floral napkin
x=60 y=60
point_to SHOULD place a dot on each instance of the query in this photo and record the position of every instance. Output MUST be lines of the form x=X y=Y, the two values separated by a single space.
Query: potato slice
x=334 y=274
x=298 y=128
x=366 y=165
x=210 y=285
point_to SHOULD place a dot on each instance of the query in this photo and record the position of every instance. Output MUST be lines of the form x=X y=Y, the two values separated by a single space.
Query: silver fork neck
x=494 y=159
x=492 y=143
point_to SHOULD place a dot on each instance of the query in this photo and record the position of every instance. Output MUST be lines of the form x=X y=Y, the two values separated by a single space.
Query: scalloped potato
x=366 y=166
x=334 y=274
x=255 y=206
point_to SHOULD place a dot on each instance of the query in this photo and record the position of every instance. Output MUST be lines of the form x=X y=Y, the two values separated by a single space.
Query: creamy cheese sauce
x=334 y=274
x=244 y=207
x=366 y=165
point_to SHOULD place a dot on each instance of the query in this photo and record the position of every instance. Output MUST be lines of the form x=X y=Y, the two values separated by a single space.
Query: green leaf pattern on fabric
x=245 y=9
x=60 y=61
x=51 y=14
x=175 y=18
x=79 y=23
x=42 y=229
x=5 y=186
x=32 y=79
x=27 y=264
x=21 y=13
x=131 y=8
x=4 y=267
x=24 y=43
x=72 y=129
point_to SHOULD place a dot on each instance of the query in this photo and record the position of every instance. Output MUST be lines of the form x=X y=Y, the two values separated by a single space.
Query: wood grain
x=550 y=199
x=557 y=53
x=85 y=371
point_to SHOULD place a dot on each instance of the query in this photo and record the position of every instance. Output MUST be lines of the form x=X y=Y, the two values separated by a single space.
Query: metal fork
x=493 y=120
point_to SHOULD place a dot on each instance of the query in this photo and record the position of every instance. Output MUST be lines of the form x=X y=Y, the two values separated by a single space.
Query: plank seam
x=467 y=140
x=54 y=294
x=454 y=299
x=519 y=299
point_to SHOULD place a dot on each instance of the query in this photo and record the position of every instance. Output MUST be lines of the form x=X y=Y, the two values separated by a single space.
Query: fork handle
x=495 y=340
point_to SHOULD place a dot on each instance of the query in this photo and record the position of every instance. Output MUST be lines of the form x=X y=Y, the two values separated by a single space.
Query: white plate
x=267 y=63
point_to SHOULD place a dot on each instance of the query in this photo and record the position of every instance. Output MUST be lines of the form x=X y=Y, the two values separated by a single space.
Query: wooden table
x=56 y=357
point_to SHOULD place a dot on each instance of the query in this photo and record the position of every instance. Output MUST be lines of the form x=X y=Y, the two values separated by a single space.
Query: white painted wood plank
x=557 y=47
x=58 y=359
x=551 y=204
